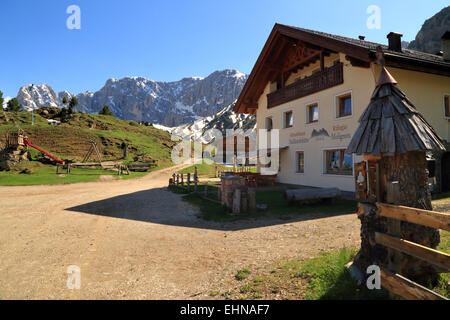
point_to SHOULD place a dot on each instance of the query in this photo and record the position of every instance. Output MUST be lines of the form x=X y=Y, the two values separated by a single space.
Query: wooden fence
x=396 y=283
x=190 y=184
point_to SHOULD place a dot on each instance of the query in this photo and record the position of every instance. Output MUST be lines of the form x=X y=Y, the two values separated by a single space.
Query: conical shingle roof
x=391 y=124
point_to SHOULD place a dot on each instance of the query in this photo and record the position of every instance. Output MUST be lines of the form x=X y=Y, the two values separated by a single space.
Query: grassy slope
x=71 y=141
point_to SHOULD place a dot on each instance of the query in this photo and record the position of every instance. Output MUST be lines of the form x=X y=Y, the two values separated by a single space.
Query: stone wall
x=229 y=185
x=11 y=157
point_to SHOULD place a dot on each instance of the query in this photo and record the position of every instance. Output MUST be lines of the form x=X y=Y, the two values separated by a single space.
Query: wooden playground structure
x=106 y=165
x=18 y=140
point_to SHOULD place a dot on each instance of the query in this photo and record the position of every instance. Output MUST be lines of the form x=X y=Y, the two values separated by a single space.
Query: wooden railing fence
x=390 y=279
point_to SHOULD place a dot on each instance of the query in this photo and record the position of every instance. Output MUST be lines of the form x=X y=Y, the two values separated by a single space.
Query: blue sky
x=168 y=40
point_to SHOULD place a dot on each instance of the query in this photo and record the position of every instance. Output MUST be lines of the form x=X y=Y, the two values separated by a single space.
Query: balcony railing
x=319 y=81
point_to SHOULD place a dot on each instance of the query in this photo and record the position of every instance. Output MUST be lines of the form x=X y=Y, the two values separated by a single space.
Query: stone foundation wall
x=10 y=158
x=228 y=186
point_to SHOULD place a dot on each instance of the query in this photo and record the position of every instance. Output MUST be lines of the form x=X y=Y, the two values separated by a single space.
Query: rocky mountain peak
x=35 y=96
x=429 y=37
x=141 y=99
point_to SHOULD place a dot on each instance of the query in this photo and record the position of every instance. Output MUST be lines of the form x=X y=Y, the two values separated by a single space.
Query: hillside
x=140 y=99
x=71 y=140
x=429 y=37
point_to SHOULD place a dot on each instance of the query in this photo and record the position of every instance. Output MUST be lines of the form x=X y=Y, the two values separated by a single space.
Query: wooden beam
x=432 y=256
x=322 y=61
x=281 y=45
x=427 y=218
x=325 y=42
x=302 y=64
x=419 y=66
x=358 y=63
x=406 y=288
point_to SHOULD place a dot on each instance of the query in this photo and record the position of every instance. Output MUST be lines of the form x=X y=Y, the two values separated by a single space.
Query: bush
x=106 y=111
x=14 y=105
x=242 y=274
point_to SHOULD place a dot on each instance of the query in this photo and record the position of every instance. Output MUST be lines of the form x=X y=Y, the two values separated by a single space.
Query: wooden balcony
x=319 y=81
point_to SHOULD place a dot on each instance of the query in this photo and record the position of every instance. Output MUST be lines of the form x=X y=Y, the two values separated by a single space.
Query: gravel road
x=133 y=239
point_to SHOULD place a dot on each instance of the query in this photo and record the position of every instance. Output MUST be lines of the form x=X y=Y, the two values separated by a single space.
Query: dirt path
x=133 y=239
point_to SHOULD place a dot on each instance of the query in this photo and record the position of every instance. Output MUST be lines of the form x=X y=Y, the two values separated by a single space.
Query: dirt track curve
x=132 y=239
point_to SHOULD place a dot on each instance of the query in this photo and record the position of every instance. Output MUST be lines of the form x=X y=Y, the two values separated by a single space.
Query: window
x=313 y=113
x=300 y=162
x=447 y=106
x=269 y=123
x=337 y=162
x=288 y=119
x=344 y=105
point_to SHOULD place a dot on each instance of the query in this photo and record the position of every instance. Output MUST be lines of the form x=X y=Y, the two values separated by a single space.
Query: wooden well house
x=394 y=139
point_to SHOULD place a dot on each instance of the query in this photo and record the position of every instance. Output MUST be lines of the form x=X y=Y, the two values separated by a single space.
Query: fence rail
x=406 y=288
x=396 y=283
x=432 y=256
x=427 y=218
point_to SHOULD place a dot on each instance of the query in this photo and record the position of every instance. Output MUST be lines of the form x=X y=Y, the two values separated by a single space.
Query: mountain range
x=199 y=130
x=136 y=98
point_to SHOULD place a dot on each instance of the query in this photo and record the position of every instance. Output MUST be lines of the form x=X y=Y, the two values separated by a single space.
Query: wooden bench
x=141 y=166
x=312 y=194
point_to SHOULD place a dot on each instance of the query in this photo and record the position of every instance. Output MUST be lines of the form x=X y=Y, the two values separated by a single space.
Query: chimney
x=446 y=46
x=395 y=41
x=362 y=38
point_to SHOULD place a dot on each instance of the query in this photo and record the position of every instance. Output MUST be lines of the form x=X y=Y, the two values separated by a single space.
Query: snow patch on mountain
x=5 y=102
x=37 y=96
x=199 y=130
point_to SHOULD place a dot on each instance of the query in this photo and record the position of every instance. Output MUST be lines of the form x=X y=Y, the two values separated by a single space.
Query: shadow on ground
x=160 y=206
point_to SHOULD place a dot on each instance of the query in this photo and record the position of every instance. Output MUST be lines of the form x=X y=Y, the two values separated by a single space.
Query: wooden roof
x=391 y=124
x=290 y=48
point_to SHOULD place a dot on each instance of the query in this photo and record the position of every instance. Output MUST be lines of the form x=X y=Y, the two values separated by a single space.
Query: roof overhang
x=282 y=37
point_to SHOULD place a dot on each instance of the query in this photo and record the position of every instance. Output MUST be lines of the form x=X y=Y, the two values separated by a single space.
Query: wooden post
x=251 y=199
x=237 y=201
x=68 y=168
x=182 y=180
x=125 y=150
x=393 y=229
x=173 y=178
x=196 y=174
x=178 y=179
x=409 y=171
x=189 y=181
x=215 y=171
x=244 y=201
